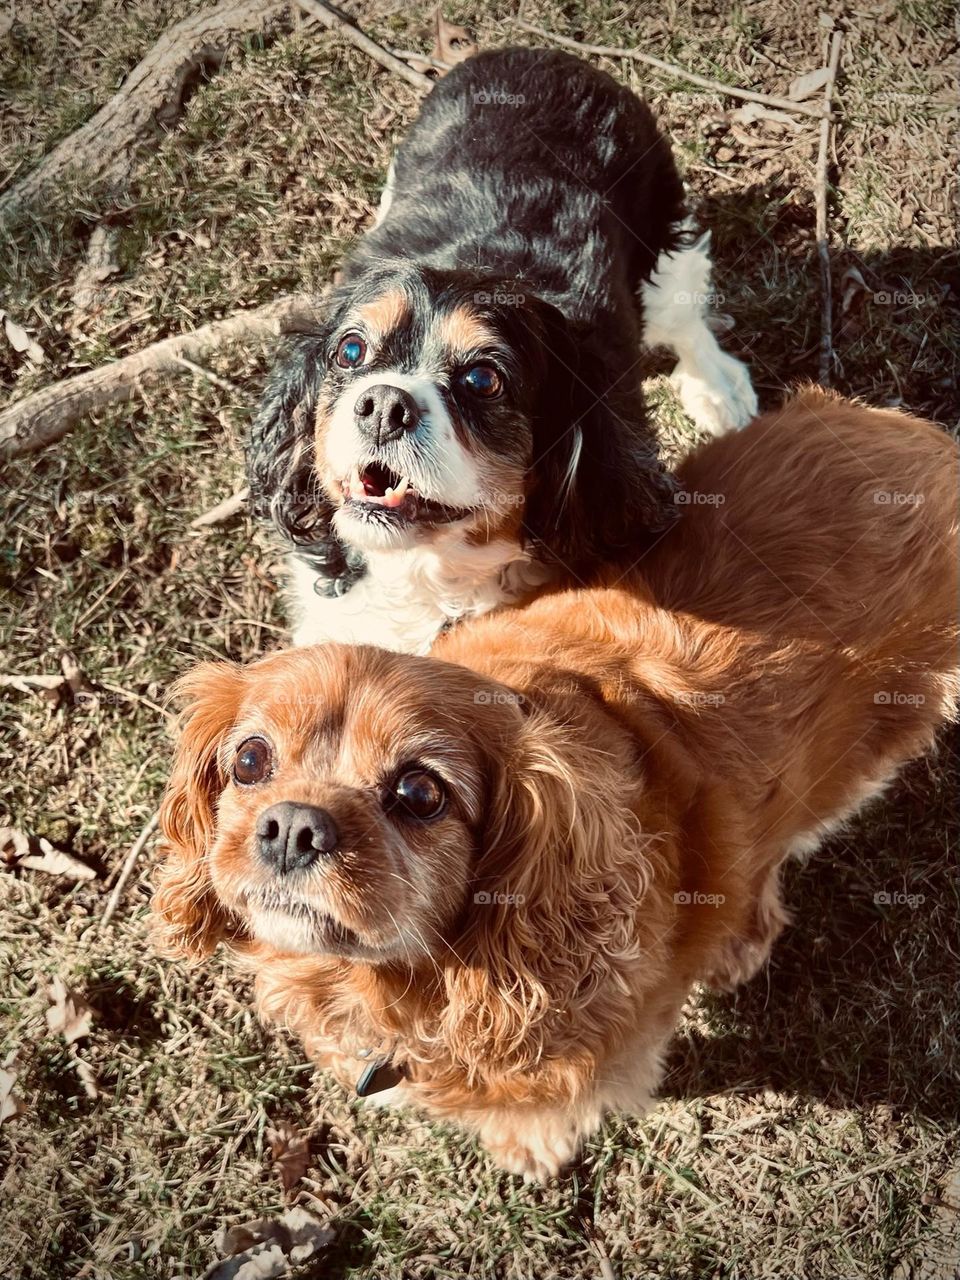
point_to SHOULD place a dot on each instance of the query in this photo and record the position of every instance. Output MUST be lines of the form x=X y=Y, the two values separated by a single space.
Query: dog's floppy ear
x=552 y=920
x=190 y=921
x=284 y=486
x=598 y=487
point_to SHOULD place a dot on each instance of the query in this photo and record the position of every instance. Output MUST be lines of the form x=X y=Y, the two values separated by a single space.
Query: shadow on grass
x=858 y=1005
x=896 y=314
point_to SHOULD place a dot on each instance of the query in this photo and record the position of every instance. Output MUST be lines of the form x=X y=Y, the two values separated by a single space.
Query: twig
x=129 y=696
x=823 y=239
x=335 y=22
x=210 y=376
x=23 y=684
x=409 y=55
x=747 y=95
x=222 y=511
x=127 y=869
x=48 y=415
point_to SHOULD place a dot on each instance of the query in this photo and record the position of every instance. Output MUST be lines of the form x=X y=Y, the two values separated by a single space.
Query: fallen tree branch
x=323 y=13
x=151 y=95
x=823 y=235
x=47 y=415
x=669 y=68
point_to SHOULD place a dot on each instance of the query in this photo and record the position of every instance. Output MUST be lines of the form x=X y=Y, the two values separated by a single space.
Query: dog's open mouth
x=375 y=491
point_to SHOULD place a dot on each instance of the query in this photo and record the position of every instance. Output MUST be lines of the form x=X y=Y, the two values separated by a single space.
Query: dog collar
x=380 y=1074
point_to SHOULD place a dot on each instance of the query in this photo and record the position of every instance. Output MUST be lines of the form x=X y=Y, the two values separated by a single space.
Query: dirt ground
x=809 y=1123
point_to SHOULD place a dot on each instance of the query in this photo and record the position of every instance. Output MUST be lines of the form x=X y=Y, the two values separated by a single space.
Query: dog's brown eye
x=483 y=380
x=351 y=351
x=253 y=761
x=420 y=794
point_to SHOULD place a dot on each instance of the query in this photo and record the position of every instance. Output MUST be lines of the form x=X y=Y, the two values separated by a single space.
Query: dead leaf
x=21 y=341
x=14 y=845
x=88 y=1079
x=11 y=1104
x=853 y=289
x=751 y=112
x=268 y=1248
x=72 y=673
x=17 y=849
x=807 y=85
x=54 y=862
x=453 y=44
x=290 y=1154
x=69 y=1014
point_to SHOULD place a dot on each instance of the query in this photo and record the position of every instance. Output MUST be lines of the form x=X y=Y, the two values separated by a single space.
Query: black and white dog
x=468 y=421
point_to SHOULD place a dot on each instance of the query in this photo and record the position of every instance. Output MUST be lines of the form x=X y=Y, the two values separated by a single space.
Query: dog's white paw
x=534 y=1145
x=716 y=391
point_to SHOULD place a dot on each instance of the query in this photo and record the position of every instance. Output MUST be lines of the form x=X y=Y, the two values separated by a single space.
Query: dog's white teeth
x=393 y=497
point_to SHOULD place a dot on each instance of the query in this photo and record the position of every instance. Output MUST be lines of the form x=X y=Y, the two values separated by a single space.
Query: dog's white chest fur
x=408 y=596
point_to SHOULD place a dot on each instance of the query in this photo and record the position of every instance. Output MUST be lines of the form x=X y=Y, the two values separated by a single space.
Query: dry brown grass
x=808 y=1124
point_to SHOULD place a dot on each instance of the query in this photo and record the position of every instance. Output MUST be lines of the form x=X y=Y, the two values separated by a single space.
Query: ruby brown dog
x=500 y=869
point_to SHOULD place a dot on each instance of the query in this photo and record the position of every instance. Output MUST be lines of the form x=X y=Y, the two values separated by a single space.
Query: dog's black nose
x=290 y=835
x=383 y=413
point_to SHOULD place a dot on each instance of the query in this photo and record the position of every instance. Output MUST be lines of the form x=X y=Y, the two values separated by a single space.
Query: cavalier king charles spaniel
x=467 y=420
x=486 y=879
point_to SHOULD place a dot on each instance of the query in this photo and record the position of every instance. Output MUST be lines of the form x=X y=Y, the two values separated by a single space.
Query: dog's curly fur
x=544 y=241
x=483 y=209
x=627 y=769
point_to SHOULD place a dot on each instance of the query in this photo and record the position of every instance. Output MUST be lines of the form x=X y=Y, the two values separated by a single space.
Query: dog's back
x=534 y=165
x=800 y=624
x=823 y=520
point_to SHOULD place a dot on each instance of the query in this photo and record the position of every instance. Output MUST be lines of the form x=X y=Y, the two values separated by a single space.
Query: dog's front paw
x=739 y=960
x=535 y=1145
x=744 y=953
x=716 y=392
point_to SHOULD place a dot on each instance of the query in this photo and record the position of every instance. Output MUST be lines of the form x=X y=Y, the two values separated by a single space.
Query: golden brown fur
x=628 y=768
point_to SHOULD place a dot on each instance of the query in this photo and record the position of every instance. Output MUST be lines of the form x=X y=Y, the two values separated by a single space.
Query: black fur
x=567 y=197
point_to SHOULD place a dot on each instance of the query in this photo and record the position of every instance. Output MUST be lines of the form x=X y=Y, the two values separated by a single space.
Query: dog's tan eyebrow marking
x=385 y=313
x=463 y=331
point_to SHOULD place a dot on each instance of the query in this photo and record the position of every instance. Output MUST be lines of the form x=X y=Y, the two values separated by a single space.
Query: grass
x=809 y=1123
